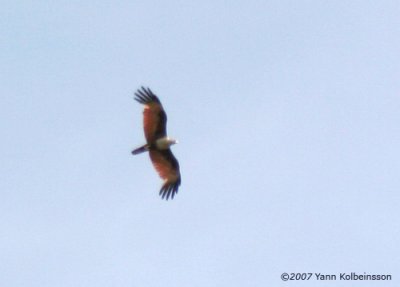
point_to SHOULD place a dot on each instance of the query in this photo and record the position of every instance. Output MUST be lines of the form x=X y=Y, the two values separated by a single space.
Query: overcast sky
x=288 y=120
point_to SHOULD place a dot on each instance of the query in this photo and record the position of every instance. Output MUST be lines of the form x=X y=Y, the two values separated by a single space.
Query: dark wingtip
x=169 y=191
x=145 y=96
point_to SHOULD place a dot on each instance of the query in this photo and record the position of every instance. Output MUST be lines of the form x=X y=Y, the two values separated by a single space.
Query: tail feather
x=141 y=149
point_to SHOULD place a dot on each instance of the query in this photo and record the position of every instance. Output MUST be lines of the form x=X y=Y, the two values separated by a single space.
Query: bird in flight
x=158 y=143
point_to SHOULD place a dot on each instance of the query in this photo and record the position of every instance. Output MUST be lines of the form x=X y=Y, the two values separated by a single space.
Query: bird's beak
x=176 y=141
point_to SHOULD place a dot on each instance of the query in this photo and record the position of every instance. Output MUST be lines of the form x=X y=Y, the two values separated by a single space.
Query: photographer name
x=353 y=276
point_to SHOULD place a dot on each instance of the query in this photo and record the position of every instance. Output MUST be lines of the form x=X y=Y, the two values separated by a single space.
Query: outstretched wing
x=168 y=168
x=154 y=117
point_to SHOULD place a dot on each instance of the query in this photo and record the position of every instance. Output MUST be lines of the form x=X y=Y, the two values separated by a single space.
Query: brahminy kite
x=158 y=143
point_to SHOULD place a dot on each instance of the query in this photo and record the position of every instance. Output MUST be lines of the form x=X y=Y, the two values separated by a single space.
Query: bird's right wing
x=154 y=117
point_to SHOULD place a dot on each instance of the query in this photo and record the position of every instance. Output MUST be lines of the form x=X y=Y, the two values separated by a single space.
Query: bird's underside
x=158 y=144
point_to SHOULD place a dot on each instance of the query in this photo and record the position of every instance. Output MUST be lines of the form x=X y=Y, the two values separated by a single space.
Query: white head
x=171 y=141
x=165 y=142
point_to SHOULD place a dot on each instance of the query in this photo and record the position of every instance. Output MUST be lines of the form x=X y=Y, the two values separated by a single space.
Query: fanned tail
x=141 y=149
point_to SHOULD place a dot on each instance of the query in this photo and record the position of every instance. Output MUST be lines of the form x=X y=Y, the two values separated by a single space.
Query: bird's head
x=171 y=141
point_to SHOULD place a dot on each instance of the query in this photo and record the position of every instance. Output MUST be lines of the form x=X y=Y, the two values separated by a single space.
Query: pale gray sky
x=287 y=113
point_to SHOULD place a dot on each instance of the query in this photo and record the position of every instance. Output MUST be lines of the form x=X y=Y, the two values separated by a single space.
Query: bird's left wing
x=168 y=168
